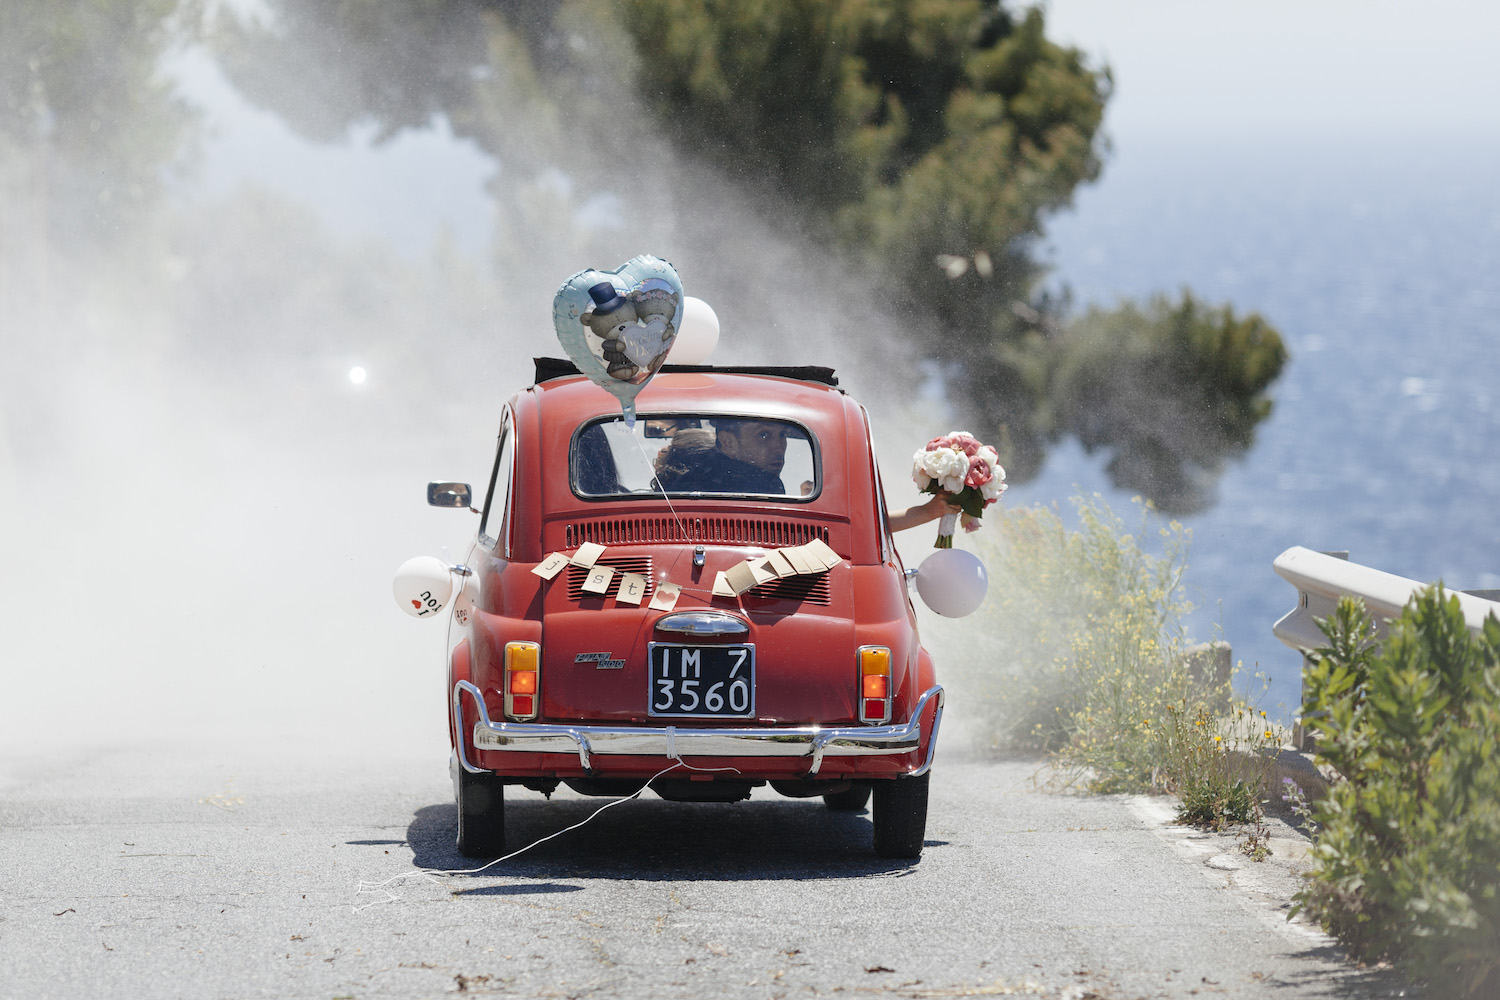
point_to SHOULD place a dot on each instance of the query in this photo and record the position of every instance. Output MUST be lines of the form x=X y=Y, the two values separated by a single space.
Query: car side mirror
x=448 y=494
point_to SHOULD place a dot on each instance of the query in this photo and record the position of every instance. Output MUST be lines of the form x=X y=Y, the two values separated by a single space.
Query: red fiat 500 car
x=711 y=590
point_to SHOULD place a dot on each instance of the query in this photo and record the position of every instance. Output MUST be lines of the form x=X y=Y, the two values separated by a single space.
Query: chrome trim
x=703 y=623
x=676 y=742
x=448 y=494
x=583 y=751
x=458 y=722
x=937 y=723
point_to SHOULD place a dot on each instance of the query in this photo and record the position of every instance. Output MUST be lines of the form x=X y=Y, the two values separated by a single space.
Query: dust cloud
x=202 y=512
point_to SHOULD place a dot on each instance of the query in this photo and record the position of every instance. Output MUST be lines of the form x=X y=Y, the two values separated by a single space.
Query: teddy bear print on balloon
x=618 y=326
x=633 y=329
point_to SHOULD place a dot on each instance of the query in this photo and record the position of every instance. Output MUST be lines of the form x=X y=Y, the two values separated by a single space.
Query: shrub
x=1407 y=864
x=1067 y=609
x=1083 y=654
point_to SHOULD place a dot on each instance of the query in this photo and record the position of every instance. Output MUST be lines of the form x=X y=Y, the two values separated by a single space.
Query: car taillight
x=874 y=684
x=522 y=660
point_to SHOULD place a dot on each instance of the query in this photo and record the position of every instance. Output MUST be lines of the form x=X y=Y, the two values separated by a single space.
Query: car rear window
x=695 y=454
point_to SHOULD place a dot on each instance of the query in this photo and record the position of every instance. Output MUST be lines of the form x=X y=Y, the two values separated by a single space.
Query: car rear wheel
x=901 y=816
x=851 y=799
x=481 y=815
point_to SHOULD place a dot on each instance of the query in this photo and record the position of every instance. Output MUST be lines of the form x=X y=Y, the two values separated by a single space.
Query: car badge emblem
x=600 y=660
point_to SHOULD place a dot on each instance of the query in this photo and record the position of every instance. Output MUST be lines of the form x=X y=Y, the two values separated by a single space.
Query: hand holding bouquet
x=963 y=472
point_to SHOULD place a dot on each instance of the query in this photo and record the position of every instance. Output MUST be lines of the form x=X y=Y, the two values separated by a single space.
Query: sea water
x=1380 y=266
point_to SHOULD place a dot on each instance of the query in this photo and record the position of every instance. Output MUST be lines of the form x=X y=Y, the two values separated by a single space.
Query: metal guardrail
x=1321 y=578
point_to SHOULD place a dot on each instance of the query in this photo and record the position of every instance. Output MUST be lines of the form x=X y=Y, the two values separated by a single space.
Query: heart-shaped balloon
x=618 y=325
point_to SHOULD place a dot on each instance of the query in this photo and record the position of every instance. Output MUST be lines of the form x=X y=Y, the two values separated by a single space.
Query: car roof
x=551 y=368
x=570 y=400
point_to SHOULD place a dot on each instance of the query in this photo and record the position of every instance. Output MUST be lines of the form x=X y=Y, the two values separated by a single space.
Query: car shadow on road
x=523 y=889
x=651 y=840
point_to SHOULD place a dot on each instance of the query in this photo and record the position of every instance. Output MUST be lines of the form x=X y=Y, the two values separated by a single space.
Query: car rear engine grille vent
x=805 y=589
x=722 y=530
x=621 y=566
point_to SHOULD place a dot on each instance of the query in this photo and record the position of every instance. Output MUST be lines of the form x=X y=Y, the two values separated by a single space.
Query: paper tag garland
x=665 y=598
x=597 y=582
x=799 y=559
x=819 y=550
x=780 y=564
x=550 y=566
x=740 y=578
x=632 y=589
x=588 y=553
x=793 y=560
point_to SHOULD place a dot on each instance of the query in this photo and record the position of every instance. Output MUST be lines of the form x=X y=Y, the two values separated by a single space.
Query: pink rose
x=979 y=473
x=964 y=442
x=939 y=442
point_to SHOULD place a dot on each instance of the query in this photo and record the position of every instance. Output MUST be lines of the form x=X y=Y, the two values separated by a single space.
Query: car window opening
x=695 y=455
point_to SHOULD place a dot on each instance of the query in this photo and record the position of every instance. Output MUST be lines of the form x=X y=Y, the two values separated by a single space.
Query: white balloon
x=952 y=582
x=697 y=336
x=422 y=586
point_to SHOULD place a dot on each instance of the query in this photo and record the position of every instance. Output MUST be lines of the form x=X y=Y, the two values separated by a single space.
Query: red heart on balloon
x=417 y=605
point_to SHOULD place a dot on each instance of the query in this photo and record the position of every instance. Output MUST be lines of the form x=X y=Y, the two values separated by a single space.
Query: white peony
x=919 y=474
x=948 y=466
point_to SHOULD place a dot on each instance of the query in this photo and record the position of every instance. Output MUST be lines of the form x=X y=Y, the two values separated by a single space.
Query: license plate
x=702 y=681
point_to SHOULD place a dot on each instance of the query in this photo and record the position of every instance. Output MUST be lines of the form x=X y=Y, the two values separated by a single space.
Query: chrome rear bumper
x=676 y=742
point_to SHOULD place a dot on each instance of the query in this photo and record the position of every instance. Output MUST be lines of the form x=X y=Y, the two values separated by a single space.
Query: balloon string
x=681 y=525
x=434 y=874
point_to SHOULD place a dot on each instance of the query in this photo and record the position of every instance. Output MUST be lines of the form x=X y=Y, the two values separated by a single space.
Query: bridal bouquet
x=962 y=471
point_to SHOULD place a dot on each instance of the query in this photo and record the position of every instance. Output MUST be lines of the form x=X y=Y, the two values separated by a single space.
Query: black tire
x=481 y=815
x=901 y=816
x=851 y=799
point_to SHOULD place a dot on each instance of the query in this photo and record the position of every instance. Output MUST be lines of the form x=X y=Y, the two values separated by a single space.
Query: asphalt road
x=230 y=872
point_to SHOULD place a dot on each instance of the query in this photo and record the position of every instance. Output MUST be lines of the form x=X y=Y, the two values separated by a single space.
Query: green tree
x=931 y=138
x=924 y=141
x=89 y=126
x=328 y=65
x=1173 y=390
